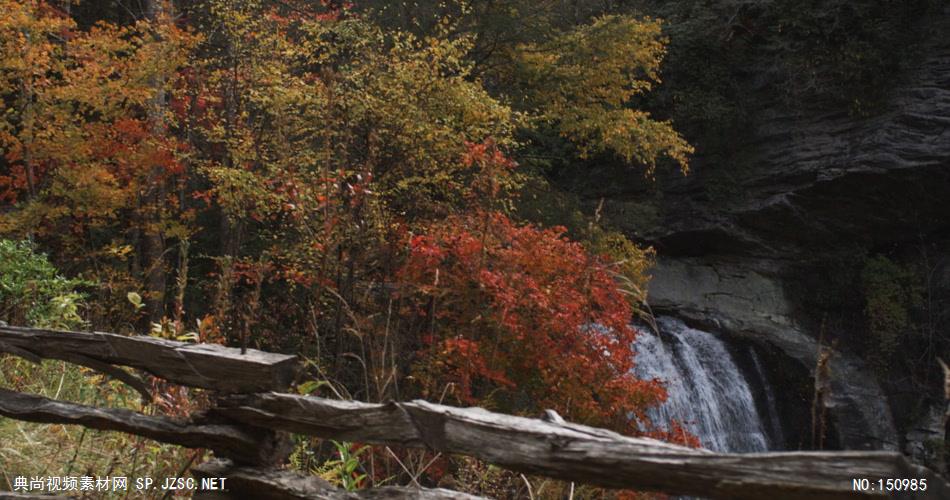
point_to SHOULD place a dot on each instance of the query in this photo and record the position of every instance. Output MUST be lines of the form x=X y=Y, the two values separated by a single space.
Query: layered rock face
x=745 y=298
x=819 y=182
x=818 y=179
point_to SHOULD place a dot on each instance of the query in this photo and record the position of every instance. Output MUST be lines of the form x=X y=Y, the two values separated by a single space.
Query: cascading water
x=708 y=394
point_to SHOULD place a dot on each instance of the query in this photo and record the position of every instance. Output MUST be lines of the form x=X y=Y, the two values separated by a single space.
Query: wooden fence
x=246 y=429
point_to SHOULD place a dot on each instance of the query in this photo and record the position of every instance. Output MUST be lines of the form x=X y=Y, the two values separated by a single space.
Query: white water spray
x=708 y=393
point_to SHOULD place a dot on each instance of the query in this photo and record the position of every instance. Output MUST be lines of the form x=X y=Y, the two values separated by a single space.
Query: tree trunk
x=155 y=280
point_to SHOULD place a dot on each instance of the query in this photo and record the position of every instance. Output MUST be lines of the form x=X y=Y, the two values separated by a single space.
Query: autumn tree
x=523 y=319
x=341 y=188
x=576 y=74
x=30 y=51
x=575 y=71
x=76 y=147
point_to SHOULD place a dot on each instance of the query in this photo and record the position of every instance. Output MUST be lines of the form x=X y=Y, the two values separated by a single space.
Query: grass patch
x=29 y=450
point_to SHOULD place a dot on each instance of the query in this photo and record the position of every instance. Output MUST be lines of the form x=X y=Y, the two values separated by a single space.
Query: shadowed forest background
x=454 y=201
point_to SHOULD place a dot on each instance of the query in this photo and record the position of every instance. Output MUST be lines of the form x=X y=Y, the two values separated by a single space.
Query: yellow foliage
x=582 y=81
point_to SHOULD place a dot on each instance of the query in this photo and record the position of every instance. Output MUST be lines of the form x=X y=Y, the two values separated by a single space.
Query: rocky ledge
x=820 y=181
x=746 y=299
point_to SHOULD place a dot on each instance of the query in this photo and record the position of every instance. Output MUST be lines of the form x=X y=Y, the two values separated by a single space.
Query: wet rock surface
x=746 y=300
x=818 y=182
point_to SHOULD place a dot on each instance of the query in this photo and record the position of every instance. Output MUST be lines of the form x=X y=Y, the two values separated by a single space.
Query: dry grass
x=29 y=450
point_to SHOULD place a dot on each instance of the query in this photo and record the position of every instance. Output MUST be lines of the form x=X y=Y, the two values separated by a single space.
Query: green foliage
x=891 y=292
x=345 y=469
x=33 y=293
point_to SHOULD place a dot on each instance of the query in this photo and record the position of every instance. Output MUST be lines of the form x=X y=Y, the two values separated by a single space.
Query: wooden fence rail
x=248 y=423
x=207 y=366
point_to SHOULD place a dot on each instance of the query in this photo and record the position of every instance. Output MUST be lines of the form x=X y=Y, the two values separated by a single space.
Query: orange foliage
x=115 y=140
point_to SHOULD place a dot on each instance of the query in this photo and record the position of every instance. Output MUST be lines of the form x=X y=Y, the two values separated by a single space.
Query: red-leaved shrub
x=522 y=319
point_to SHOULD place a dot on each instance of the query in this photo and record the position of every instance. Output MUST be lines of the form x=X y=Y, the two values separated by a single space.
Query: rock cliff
x=816 y=183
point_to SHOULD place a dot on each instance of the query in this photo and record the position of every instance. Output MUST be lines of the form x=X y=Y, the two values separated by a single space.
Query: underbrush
x=45 y=450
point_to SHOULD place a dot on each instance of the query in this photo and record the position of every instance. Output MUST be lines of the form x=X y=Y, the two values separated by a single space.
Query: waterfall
x=708 y=393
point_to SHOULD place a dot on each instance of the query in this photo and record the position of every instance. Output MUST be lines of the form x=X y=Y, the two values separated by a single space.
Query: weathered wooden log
x=23 y=353
x=197 y=365
x=104 y=368
x=273 y=484
x=584 y=454
x=254 y=446
x=115 y=372
x=387 y=424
